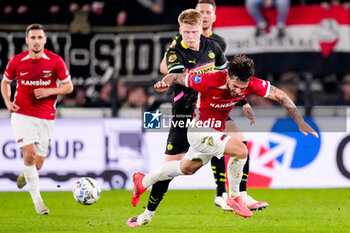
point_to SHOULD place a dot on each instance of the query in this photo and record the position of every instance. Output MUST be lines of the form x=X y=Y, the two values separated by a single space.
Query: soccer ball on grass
x=86 y=191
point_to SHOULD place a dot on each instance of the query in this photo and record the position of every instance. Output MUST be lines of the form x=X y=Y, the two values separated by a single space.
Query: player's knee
x=242 y=152
x=188 y=171
x=29 y=158
x=39 y=165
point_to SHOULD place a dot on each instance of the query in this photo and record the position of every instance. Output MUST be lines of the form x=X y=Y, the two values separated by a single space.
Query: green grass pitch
x=292 y=210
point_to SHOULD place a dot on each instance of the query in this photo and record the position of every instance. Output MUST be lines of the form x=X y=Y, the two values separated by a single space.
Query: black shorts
x=177 y=141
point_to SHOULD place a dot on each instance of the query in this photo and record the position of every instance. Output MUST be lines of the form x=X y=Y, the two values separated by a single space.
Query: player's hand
x=12 y=107
x=161 y=86
x=42 y=93
x=249 y=113
x=306 y=129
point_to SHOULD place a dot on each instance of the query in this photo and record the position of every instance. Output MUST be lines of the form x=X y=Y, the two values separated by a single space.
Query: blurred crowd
x=134 y=12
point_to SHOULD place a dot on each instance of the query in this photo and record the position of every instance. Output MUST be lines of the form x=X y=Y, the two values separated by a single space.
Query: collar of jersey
x=183 y=44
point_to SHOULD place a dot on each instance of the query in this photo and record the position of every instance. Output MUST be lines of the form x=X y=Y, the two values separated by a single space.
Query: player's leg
x=233 y=131
x=157 y=192
x=27 y=135
x=161 y=187
x=45 y=130
x=238 y=152
x=215 y=143
x=21 y=181
x=177 y=145
x=218 y=167
x=32 y=178
x=167 y=170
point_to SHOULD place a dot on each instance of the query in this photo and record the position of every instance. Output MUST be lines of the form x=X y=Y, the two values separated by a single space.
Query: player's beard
x=37 y=50
x=233 y=94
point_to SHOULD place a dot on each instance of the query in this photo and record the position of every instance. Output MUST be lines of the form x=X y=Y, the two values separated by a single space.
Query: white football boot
x=221 y=201
x=253 y=204
x=142 y=219
x=40 y=208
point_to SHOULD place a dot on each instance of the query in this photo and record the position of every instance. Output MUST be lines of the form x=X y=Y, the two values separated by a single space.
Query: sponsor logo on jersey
x=216 y=97
x=23 y=73
x=201 y=69
x=213 y=105
x=47 y=73
x=192 y=61
x=211 y=54
x=173 y=64
x=197 y=78
x=35 y=82
x=172 y=58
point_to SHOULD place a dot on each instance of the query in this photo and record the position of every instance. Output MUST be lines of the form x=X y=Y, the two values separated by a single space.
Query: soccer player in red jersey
x=207 y=8
x=218 y=92
x=38 y=72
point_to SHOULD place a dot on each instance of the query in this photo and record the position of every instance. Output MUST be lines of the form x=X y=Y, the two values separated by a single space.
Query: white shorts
x=29 y=130
x=206 y=145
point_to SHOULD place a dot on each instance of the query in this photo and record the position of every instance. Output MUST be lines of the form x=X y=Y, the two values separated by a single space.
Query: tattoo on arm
x=175 y=78
x=279 y=96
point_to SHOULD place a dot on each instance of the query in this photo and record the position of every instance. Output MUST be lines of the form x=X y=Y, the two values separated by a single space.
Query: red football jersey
x=32 y=74
x=214 y=101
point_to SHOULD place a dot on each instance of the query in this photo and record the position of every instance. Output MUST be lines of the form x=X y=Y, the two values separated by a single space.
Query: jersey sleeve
x=200 y=82
x=61 y=70
x=175 y=62
x=10 y=71
x=260 y=87
x=220 y=59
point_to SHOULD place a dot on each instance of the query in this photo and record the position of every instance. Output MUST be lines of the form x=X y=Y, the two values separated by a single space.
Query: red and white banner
x=316 y=41
x=308 y=29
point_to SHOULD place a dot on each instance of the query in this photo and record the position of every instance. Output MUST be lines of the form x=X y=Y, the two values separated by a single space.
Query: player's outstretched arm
x=6 y=95
x=168 y=80
x=65 y=88
x=281 y=97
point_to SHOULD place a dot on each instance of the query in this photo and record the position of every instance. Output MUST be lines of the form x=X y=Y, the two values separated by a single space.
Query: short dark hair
x=35 y=26
x=241 y=67
x=211 y=2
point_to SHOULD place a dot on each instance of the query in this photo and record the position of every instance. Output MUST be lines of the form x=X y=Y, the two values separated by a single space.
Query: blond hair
x=191 y=17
